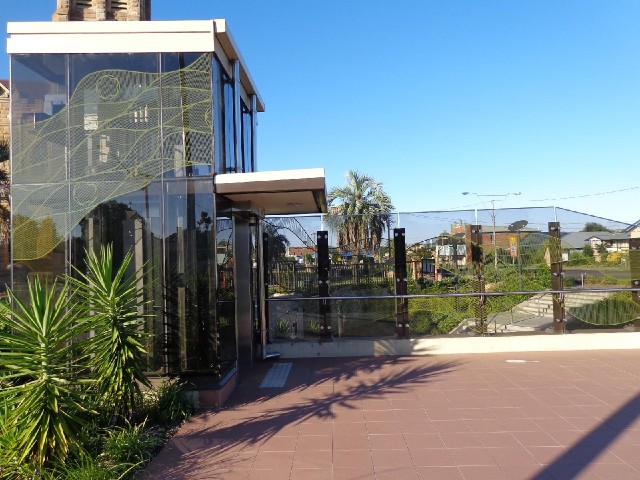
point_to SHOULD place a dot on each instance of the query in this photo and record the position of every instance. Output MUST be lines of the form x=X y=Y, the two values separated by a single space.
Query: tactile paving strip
x=276 y=376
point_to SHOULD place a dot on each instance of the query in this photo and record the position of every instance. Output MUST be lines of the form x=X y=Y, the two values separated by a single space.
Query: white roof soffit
x=128 y=37
x=282 y=192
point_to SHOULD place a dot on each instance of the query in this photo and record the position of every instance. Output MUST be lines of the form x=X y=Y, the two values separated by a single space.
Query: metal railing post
x=478 y=273
x=324 y=266
x=634 y=266
x=400 y=271
x=555 y=258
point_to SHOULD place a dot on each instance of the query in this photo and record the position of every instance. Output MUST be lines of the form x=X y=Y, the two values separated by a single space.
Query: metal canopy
x=276 y=192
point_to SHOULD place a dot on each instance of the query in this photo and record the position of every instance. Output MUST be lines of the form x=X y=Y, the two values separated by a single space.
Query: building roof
x=4 y=87
x=196 y=36
x=608 y=236
x=632 y=227
x=276 y=192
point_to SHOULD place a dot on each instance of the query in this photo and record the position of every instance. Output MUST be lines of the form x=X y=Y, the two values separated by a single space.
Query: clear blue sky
x=434 y=98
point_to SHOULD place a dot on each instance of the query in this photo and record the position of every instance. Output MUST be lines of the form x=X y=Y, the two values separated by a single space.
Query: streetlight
x=493 y=197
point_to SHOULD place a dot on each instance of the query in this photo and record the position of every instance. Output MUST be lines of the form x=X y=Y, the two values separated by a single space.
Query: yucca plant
x=43 y=396
x=111 y=299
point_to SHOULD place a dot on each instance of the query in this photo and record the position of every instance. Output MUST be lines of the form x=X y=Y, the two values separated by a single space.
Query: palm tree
x=359 y=212
x=278 y=243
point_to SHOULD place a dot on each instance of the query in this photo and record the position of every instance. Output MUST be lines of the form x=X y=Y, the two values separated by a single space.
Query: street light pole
x=493 y=216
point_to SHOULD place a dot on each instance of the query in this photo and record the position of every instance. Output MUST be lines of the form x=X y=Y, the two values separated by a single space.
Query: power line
x=587 y=195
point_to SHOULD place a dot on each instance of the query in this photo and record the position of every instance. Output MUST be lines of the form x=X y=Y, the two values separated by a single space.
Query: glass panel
x=39 y=231
x=131 y=223
x=229 y=126
x=247 y=132
x=225 y=287
x=190 y=275
x=218 y=123
x=187 y=116
x=38 y=99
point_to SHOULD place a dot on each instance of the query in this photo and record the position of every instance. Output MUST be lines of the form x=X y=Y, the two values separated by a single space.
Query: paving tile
x=353 y=473
x=340 y=429
x=475 y=413
x=397 y=473
x=535 y=439
x=432 y=457
x=497 y=439
x=379 y=416
x=269 y=474
x=390 y=458
x=471 y=456
x=393 y=441
x=417 y=441
x=315 y=442
x=443 y=413
x=315 y=429
x=482 y=472
x=460 y=440
x=512 y=456
x=279 y=444
x=273 y=461
x=352 y=459
x=451 y=426
x=383 y=428
x=417 y=426
x=484 y=425
x=439 y=473
x=526 y=472
x=311 y=474
x=314 y=459
x=351 y=442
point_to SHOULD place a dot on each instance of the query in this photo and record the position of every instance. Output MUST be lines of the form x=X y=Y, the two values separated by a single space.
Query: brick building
x=4 y=108
x=95 y=10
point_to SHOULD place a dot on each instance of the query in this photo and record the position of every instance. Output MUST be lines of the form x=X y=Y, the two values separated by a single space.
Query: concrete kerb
x=459 y=345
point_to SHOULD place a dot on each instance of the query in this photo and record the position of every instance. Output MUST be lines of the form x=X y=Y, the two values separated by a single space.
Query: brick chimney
x=97 y=10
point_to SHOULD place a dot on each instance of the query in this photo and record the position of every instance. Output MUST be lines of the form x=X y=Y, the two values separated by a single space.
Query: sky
x=435 y=98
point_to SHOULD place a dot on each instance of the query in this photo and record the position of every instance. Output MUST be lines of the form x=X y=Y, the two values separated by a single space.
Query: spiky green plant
x=38 y=359
x=117 y=347
x=88 y=467
x=133 y=445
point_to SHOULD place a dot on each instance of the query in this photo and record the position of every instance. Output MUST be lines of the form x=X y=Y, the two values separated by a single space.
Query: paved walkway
x=534 y=416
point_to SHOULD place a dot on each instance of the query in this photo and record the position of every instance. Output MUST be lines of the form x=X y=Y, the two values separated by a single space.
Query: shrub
x=117 y=353
x=89 y=468
x=132 y=445
x=168 y=403
x=44 y=399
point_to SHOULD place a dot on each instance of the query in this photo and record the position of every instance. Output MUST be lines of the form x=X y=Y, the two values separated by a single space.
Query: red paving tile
x=570 y=415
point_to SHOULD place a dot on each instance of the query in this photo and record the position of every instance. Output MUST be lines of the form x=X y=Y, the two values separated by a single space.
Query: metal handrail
x=453 y=295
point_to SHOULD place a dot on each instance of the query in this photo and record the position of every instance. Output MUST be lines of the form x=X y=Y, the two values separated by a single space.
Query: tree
x=602 y=252
x=588 y=250
x=277 y=242
x=359 y=212
x=595 y=227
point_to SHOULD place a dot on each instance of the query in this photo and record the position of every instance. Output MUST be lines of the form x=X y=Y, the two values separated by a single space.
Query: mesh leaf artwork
x=120 y=130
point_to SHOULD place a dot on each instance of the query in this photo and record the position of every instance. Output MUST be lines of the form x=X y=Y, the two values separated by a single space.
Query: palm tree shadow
x=313 y=394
